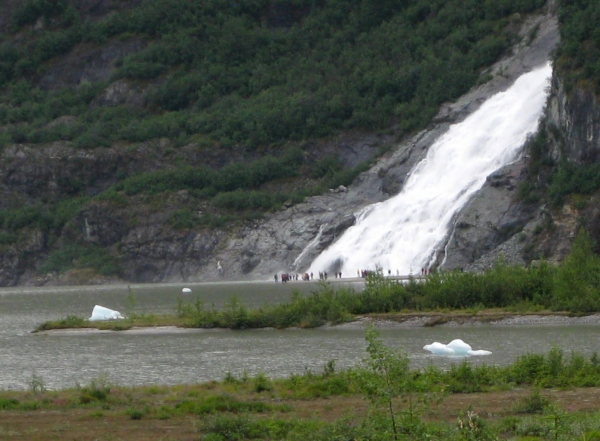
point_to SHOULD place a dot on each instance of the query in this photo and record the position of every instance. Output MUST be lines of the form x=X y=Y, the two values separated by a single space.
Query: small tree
x=577 y=279
x=386 y=376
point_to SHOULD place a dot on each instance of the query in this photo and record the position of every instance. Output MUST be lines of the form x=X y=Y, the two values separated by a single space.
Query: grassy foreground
x=538 y=397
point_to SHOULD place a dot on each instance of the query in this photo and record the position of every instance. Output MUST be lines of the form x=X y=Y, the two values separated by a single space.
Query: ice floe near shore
x=102 y=313
x=456 y=348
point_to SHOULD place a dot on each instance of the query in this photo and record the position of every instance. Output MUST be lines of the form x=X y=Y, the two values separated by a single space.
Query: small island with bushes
x=568 y=289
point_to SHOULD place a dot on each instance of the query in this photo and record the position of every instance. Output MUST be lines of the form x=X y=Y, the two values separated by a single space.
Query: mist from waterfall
x=403 y=232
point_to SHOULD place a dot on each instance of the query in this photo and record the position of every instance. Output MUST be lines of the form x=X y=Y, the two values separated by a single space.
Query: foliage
x=330 y=66
x=239 y=427
x=261 y=383
x=77 y=255
x=37 y=384
x=135 y=414
x=576 y=282
x=29 y=11
x=578 y=55
x=569 y=178
x=49 y=218
x=233 y=177
x=98 y=389
x=386 y=376
x=534 y=403
x=71 y=321
x=474 y=428
x=225 y=403
x=8 y=403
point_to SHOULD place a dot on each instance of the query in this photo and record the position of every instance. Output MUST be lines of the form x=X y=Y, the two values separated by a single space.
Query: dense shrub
x=29 y=11
x=241 y=200
x=48 y=218
x=577 y=279
x=75 y=255
x=578 y=55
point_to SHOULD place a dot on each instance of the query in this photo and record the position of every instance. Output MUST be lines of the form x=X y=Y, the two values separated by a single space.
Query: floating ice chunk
x=454 y=348
x=459 y=347
x=437 y=348
x=102 y=313
x=480 y=352
x=186 y=290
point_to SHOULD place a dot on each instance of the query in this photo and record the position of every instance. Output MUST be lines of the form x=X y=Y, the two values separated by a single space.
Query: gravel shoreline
x=449 y=320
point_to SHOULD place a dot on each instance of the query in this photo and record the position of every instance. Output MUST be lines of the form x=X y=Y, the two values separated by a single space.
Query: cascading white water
x=402 y=233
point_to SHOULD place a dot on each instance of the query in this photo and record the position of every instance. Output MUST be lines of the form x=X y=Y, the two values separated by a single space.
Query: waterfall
x=402 y=233
x=313 y=243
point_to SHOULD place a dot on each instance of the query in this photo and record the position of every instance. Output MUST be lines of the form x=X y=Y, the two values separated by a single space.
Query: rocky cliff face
x=577 y=116
x=135 y=231
x=497 y=223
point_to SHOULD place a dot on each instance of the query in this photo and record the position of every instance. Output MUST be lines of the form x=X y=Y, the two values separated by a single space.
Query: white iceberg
x=456 y=348
x=186 y=290
x=102 y=313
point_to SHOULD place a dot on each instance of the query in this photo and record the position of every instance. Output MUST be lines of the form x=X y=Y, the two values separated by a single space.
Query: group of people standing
x=285 y=277
x=323 y=275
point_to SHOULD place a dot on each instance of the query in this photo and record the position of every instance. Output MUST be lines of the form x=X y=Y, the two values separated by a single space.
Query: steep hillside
x=553 y=192
x=139 y=137
x=564 y=169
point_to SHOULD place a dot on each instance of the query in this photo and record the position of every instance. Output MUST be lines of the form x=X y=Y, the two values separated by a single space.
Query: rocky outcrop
x=88 y=64
x=135 y=230
x=490 y=218
x=576 y=115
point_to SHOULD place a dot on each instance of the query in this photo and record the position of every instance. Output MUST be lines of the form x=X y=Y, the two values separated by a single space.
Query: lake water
x=145 y=357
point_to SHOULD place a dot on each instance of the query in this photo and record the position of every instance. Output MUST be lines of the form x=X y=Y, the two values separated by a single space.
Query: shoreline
x=380 y=321
x=410 y=320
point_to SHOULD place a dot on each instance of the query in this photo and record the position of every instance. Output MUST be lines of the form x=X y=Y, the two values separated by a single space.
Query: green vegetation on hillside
x=578 y=55
x=229 y=72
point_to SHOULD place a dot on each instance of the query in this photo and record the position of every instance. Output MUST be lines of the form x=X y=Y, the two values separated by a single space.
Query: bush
x=238 y=427
x=261 y=383
x=97 y=390
x=77 y=255
x=135 y=414
x=532 y=404
x=8 y=403
x=29 y=11
x=224 y=403
x=241 y=200
x=183 y=219
x=576 y=281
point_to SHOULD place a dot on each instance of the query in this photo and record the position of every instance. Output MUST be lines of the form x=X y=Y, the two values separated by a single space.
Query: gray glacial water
x=145 y=357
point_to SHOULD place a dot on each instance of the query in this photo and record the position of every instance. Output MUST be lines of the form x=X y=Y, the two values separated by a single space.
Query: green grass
x=330 y=404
